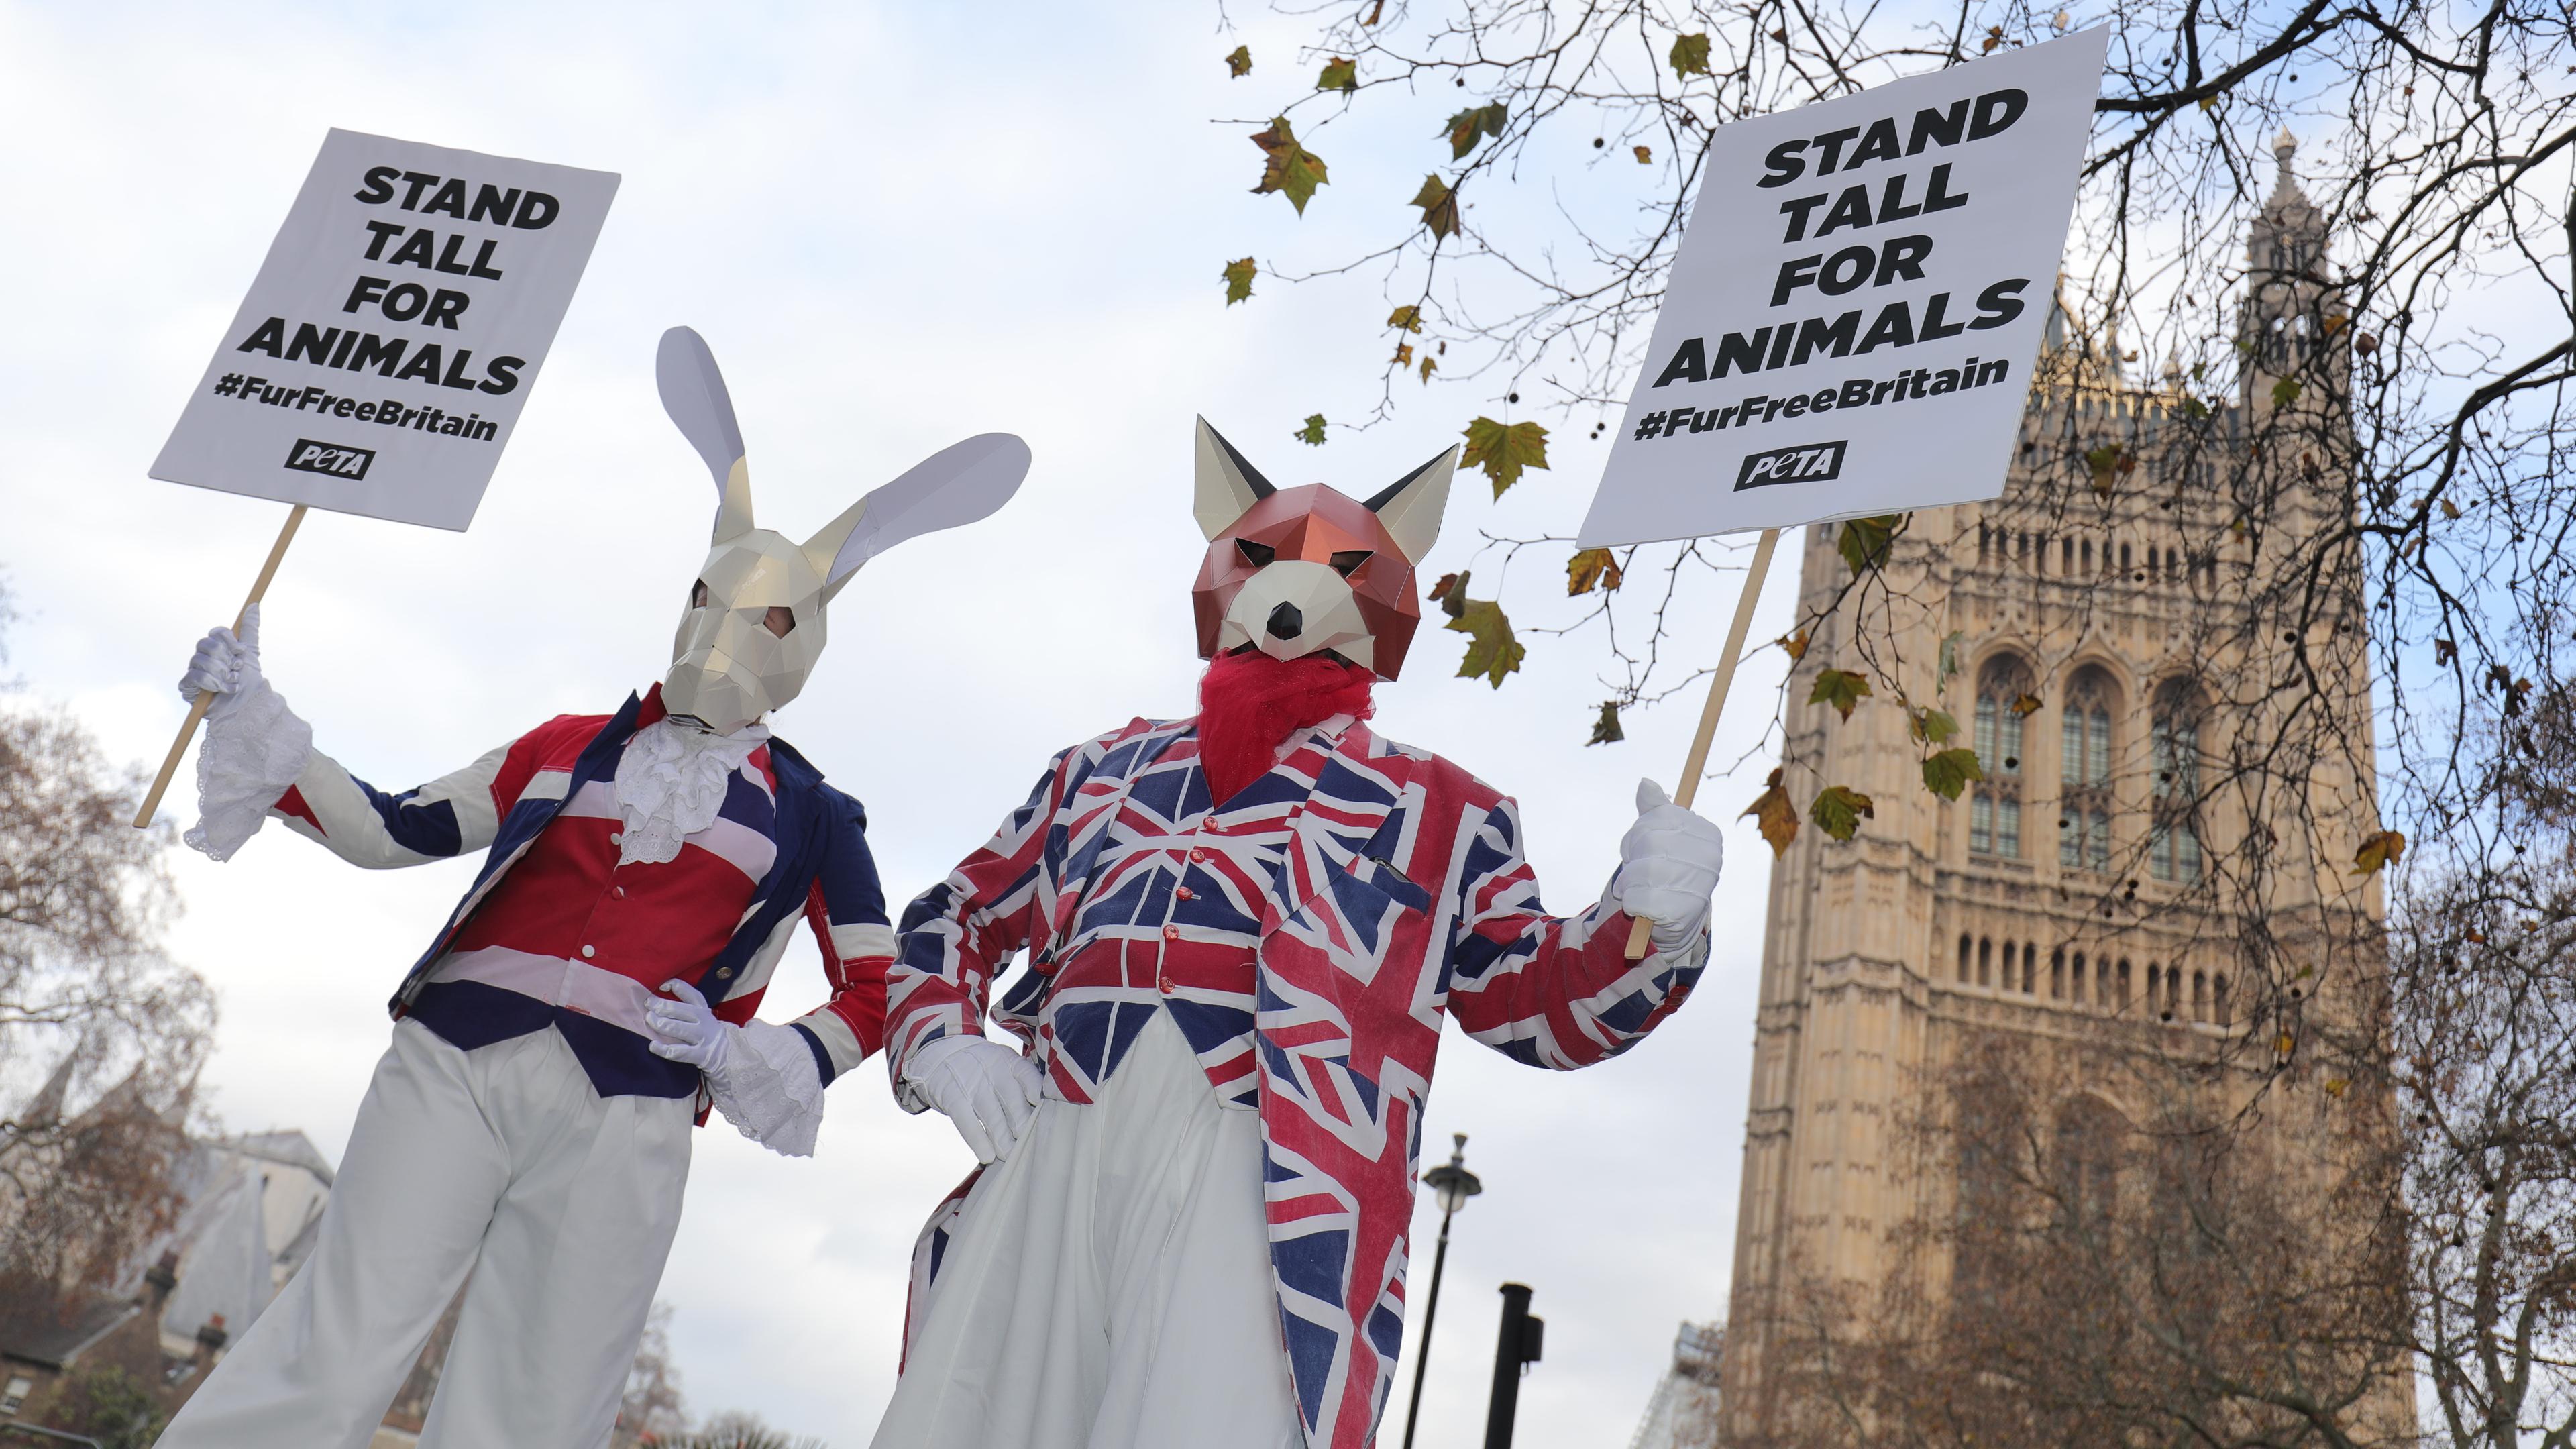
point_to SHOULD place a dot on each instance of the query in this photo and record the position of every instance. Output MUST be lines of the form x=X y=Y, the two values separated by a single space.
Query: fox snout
x=1292 y=608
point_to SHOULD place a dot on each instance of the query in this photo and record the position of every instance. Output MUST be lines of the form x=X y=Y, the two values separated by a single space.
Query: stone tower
x=2090 y=634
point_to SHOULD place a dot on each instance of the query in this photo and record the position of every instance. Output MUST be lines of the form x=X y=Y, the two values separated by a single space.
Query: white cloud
x=896 y=227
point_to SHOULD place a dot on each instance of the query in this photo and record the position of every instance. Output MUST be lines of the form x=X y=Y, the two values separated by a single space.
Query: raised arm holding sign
x=380 y=360
x=1851 y=319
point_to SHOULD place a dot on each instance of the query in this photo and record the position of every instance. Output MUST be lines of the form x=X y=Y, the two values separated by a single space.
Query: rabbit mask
x=755 y=619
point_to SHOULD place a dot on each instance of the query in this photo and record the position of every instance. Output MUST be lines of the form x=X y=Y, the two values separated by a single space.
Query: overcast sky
x=896 y=226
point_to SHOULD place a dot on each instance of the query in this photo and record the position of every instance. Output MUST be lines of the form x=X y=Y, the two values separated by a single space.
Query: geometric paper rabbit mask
x=755 y=619
x=1298 y=571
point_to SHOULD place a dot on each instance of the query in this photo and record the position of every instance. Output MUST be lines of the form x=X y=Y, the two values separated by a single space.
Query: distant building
x=1683 y=1412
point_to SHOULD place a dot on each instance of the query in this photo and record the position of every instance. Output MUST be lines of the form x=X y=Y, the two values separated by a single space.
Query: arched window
x=2057 y=974
x=2173 y=852
x=2124 y=986
x=2078 y=979
x=1963 y=958
x=2218 y=1000
x=1985 y=961
x=2004 y=702
x=2200 y=996
x=2029 y=969
x=2084 y=774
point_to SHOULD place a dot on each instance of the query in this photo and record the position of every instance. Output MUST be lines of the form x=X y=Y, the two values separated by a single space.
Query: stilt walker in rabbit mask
x=1245 y=930
x=527 y=1134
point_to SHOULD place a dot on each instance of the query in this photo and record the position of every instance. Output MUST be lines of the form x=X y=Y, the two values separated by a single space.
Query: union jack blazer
x=1403 y=896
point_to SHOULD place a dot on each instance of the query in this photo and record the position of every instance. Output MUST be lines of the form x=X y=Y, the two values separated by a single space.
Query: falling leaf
x=1840 y=688
x=1605 y=730
x=1864 y=542
x=1590 y=568
x=1838 y=811
x=1932 y=726
x=1949 y=772
x=1403 y=354
x=1690 y=54
x=1645 y=155
x=1239 y=63
x=1450 y=593
x=1492 y=652
x=2026 y=706
x=1503 y=449
x=1238 y=281
x=1795 y=646
x=2285 y=392
x=1339 y=75
x=1774 y=816
x=1430 y=365
x=1408 y=318
x=1292 y=170
x=1312 y=434
x=2450 y=509
x=1439 y=206
x=2379 y=850
x=1464 y=128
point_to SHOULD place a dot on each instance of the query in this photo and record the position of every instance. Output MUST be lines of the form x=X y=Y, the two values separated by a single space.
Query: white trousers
x=501 y=1163
x=1107 y=1285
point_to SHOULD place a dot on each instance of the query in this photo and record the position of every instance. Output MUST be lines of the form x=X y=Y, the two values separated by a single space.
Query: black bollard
x=1515 y=1348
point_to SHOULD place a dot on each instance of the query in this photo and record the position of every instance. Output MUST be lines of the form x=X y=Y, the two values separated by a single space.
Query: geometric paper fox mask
x=755 y=618
x=1295 y=571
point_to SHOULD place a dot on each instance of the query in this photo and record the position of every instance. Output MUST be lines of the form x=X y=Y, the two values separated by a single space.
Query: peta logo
x=308 y=456
x=1811 y=464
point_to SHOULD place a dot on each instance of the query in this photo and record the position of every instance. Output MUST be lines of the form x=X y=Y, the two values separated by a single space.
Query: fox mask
x=1297 y=571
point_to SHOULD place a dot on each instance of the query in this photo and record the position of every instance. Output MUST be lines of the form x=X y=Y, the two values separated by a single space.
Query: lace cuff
x=770 y=1089
x=252 y=752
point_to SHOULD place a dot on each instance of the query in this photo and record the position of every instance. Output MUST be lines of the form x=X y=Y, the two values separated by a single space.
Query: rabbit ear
x=956 y=485
x=693 y=393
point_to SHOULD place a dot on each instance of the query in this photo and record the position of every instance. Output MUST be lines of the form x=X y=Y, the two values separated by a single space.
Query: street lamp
x=1452 y=1184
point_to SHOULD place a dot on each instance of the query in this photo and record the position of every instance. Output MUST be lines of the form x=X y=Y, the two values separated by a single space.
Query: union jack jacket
x=1402 y=897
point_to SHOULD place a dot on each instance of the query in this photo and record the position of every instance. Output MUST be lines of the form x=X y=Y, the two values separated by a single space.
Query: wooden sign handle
x=206 y=697
x=1687 y=788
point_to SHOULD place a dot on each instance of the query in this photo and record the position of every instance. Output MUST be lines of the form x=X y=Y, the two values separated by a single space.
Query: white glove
x=990 y=1091
x=227 y=664
x=1668 y=867
x=762 y=1076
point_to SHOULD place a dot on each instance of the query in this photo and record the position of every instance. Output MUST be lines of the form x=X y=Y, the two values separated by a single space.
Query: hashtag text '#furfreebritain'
x=386 y=412
x=1919 y=382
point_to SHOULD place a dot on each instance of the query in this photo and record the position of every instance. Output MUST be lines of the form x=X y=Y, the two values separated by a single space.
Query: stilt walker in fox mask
x=527 y=1134
x=1245 y=929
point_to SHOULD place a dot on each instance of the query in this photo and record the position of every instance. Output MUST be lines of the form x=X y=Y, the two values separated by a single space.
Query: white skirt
x=1107 y=1285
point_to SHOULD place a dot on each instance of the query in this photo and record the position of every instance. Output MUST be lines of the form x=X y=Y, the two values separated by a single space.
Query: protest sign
x=384 y=351
x=1850 y=322
x=1851 y=318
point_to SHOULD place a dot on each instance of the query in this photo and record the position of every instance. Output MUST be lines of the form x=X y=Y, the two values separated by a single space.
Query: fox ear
x=1411 y=506
x=693 y=393
x=1228 y=484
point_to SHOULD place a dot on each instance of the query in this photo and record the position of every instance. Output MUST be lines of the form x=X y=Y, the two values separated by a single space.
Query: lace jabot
x=671 y=782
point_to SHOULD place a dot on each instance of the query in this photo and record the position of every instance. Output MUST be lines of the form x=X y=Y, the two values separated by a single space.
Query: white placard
x=387 y=345
x=1851 y=319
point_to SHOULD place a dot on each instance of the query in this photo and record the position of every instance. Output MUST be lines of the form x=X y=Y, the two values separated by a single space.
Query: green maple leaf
x=1439 y=206
x=1932 y=726
x=1464 y=128
x=1504 y=449
x=1840 y=688
x=1238 y=63
x=1339 y=75
x=1864 y=541
x=1408 y=318
x=1238 y=281
x=1949 y=772
x=1838 y=811
x=2285 y=392
x=1690 y=54
x=1291 y=169
x=1605 y=730
x=1775 y=815
x=1492 y=652
x=1312 y=434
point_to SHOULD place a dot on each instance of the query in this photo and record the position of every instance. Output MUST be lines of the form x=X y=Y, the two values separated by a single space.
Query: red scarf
x=1249 y=703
